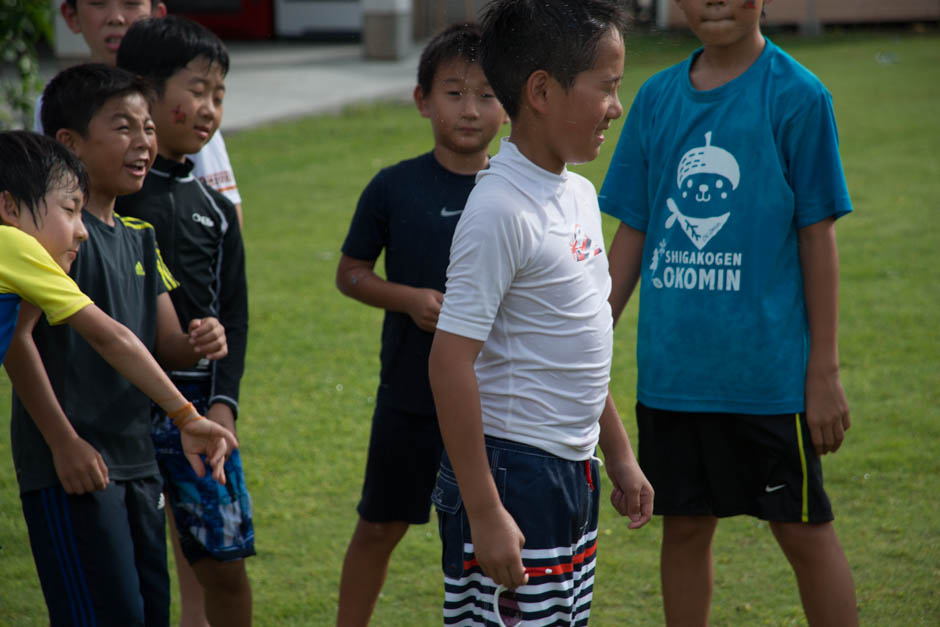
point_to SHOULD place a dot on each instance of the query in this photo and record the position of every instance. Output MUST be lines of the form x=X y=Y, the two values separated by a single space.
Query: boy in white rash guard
x=521 y=358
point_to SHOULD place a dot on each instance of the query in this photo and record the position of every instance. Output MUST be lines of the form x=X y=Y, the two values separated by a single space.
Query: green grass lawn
x=313 y=365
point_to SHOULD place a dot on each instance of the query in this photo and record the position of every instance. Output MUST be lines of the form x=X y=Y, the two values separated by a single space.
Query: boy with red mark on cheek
x=200 y=238
x=102 y=24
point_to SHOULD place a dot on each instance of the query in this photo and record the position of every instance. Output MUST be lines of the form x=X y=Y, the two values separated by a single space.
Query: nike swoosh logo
x=446 y=213
x=769 y=489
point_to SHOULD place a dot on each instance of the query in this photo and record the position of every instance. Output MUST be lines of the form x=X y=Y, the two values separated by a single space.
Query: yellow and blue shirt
x=27 y=271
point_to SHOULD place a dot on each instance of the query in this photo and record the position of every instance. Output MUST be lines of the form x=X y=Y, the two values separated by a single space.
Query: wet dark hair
x=159 y=47
x=558 y=36
x=458 y=41
x=33 y=165
x=76 y=94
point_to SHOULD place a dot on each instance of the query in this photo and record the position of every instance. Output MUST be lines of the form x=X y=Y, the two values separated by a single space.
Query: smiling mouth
x=137 y=167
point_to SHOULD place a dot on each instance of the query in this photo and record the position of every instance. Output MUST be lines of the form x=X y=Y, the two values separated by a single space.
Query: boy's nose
x=470 y=109
x=141 y=139
x=209 y=109
x=616 y=108
x=81 y=233
x=115 y=17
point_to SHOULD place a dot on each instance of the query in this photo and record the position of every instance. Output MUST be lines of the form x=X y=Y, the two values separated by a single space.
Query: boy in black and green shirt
x=98 y=545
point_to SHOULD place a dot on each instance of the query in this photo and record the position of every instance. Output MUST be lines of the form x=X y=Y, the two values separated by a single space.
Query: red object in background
x=229 y=19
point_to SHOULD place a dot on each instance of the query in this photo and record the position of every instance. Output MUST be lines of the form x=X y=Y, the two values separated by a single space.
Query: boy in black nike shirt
x=199 y=236
x=410 y=210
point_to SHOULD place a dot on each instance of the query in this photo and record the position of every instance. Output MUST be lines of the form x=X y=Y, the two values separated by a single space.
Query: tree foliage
x=23 y=25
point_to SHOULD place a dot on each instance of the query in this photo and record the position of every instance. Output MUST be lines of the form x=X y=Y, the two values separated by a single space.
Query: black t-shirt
x=411 y=210
x=120 y=269
x=197 y=229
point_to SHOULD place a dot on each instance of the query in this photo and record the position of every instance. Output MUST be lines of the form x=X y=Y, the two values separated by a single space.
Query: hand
x=425 y=307
x=212 y=440
x=79 y=466
x=827 y=411
x=498 y=542
x=207 y=337
x=632 y=494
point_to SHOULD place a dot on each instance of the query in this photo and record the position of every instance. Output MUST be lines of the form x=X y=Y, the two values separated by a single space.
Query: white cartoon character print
x=706 y=177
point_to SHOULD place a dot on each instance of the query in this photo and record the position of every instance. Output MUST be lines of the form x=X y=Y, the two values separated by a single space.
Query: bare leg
x=822 y=572
x=226 y=591
x=192 y=612
x=365 y=568
x=686 y=565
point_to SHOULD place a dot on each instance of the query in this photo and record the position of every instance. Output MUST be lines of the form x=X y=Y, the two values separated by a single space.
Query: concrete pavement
x=270 y=81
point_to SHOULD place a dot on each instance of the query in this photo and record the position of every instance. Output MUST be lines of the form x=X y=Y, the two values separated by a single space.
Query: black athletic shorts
x=101 y=556
x=404 y=455
x=730 y=464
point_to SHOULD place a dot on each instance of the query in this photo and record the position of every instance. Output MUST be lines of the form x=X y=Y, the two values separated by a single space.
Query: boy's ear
x=536 y=89
x=9 y=210
x=421 y=101
x=71 y=17
x=68 y=138
x=158 y=10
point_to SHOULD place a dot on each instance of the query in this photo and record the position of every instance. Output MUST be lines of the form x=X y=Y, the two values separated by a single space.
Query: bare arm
x=625 y=259
x=357 y=279
x=497 y=539
x=632 y=494
x=222 y=414
x=127 y=354
x=78 y=465
x=827 y=411
x=176 y=349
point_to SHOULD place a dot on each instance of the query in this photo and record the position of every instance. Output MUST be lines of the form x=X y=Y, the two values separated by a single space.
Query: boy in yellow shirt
x=43 y=189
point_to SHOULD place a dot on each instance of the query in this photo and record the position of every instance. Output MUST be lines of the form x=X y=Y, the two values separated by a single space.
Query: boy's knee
x=689 y=530
x=803 y=537
x=379 y=535
x=228 y=578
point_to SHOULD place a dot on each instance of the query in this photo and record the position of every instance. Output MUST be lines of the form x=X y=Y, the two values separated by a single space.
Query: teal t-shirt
x=721 y=181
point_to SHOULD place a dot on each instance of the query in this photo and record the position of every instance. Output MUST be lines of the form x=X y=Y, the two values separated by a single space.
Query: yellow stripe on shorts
x=805 y=488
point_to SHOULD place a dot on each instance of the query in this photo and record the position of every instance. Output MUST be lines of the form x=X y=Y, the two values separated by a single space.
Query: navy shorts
x=212 y=520
x=555 y=503
x=708 y=464
x=404 y=454
x=101 y=556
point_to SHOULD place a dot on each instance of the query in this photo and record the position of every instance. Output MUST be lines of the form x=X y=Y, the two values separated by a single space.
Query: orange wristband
x=184 y=415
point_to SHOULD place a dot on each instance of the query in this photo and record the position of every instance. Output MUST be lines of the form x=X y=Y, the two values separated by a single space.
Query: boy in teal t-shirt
x=728 y=182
